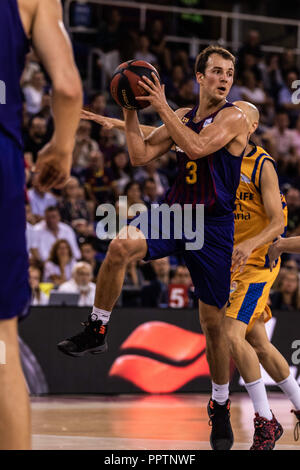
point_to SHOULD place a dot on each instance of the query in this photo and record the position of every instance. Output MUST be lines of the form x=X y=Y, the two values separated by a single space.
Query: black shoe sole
x=98 y=350
x=222 y=444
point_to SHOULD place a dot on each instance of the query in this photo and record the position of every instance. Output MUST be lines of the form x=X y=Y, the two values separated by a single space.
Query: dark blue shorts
x=209 y=266
x=14 y=286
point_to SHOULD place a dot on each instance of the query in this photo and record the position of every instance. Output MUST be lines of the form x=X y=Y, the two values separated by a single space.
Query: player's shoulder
x=180 y=112
x=232 y=115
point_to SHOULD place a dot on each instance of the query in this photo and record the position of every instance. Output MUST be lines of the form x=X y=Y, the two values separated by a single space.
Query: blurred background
x=65 y=253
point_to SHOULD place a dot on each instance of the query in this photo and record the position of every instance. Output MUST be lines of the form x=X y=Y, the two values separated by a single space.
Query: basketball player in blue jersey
x=22 y=21
x=210 y=140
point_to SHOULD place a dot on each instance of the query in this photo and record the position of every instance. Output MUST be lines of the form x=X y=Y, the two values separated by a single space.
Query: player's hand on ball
x=53 y=167
x=240 y=255
x=156 y=92
x=102 y=120
x=274 y=252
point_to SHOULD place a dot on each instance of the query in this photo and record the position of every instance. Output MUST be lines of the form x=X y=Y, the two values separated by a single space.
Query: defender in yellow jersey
x=260 y=217
x=250 y=288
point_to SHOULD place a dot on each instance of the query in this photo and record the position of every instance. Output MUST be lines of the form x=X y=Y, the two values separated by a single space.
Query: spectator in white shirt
x=58 y=268
x=39 y=200
x=284 y=141
x=250 y=91
x=49 y=231
x=34 y=91
x=81 y=284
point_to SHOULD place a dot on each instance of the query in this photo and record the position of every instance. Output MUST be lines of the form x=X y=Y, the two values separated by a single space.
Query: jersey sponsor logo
x=184 y=120
x=246 y=196
x=206 y=122
x=245 y=178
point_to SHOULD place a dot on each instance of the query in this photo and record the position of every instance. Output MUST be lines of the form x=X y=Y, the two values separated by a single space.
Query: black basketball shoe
x=297 y=425
x=91 y=340
x=266 y=433
x=221 y=437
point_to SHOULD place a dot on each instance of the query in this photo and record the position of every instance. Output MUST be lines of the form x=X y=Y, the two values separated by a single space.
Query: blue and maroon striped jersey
x=211 y=180
x=14 y=47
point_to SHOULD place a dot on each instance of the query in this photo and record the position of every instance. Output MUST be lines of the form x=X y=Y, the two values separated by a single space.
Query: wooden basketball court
x=145 y=422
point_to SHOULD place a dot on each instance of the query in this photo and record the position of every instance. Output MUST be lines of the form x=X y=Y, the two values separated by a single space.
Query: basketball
x=124 y=85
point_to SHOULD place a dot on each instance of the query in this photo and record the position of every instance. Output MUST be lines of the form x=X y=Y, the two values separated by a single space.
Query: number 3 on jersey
x=192 y=177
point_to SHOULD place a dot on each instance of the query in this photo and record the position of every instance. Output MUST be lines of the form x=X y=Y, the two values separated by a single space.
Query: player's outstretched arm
x=229 y=123
x=113 y=123
x=144 y=150
x=272 y=204
x=53 y=47
x=283 y=245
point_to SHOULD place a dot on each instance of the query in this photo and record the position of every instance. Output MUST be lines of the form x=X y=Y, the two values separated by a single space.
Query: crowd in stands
x=62 y=226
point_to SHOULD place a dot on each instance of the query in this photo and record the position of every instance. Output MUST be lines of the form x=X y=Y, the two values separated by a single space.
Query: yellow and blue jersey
x=250 y=288
x=250 y=215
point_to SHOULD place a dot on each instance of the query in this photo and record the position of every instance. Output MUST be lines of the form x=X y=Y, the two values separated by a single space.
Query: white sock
x=220 y=393
x=290 y=387
x=102 y=315
x=258 y=395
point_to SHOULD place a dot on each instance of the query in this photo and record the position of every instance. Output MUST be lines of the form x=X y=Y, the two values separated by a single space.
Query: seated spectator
x=293 y=204
x=251 y=91
x=121 y=171
x=39 y=200
x=150 y=195
x=72 y=207
x=143 y=52
x=181 y=276
x=58 y=267
x=285 y=97
x=152 y=170
x=183 y=297
x=30 y=221
x=97 y=106
x=34 y=91
x=84 y=145
x=49 y=231
x=83 y=230
x=174 y=82
x=156 y=293
x=283 y=138
x=186 y=96
x=38 y=296
x=88 y=254
x=158 y=45
x=98 y=180
x=290 y=264
x=81 y=283
x=133 y=193
x=272 y=76
x=108 y=143
x=288 y=61
x=287 y=296
x=35 y=137
x=250 y=53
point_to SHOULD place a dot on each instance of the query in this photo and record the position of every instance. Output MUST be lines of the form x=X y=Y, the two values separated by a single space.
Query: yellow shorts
x=249 y=293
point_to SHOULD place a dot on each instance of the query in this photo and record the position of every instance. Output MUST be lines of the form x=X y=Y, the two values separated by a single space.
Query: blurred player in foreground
x=20 y=22
x=210 y=141
x=260 y=215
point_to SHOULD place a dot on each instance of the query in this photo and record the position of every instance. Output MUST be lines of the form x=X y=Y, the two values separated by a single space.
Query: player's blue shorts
x=210 y=266
x=14 y=287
